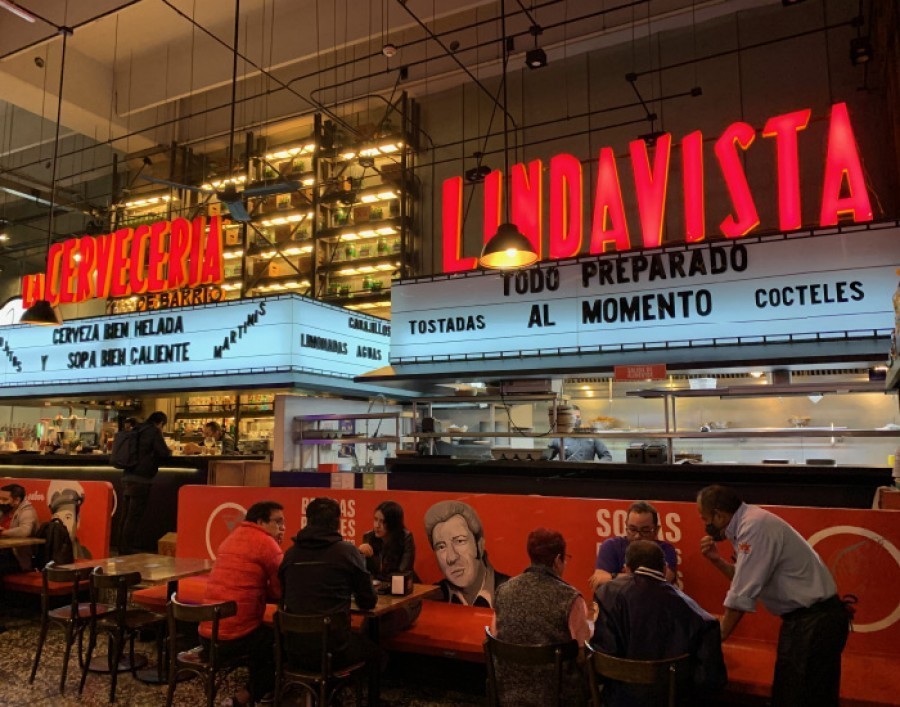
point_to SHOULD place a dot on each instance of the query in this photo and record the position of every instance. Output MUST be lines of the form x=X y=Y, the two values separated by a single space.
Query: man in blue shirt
x=580 y=449
x=775 y=565
x=641 y=523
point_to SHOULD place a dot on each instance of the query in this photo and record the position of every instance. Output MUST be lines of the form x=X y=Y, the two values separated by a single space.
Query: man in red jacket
x=246 y=571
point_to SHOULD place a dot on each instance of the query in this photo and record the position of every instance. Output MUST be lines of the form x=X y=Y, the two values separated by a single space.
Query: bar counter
x=773 y=484
x=162 y=511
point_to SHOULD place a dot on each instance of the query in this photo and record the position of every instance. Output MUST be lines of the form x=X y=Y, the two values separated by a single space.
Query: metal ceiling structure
x=144 y=74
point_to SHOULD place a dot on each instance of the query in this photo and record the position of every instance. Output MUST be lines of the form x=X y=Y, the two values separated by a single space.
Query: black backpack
x=57 y=546
x=124 y=453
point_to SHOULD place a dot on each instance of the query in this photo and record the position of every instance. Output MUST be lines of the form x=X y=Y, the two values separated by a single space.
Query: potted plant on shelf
x=376 y=213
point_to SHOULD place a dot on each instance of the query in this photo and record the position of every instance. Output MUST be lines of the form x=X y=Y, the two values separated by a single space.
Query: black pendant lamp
x=507 y=249
x=42 y=313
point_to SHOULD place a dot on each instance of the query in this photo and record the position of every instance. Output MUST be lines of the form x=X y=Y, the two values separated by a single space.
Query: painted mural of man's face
x=457 y=553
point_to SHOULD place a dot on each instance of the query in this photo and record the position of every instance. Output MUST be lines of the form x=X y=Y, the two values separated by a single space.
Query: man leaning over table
x=641 y=523
x=18 y=519
x=776 y=566
x=246 y=571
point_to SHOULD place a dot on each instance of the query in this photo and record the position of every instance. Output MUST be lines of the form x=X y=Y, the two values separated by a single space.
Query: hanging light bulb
x=507 y=249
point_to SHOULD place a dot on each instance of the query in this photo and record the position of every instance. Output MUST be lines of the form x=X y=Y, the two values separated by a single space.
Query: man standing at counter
x=777 y=566
x=138 y=479
x=580 y=449
x=213 y=430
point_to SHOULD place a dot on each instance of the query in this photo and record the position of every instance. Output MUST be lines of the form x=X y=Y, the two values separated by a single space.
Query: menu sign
x=285 y=334
x=736 y=292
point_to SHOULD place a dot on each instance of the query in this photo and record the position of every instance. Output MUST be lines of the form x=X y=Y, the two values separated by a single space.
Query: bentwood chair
x=663 y=675
x=72 y=618
x=119 y=624
x=535 y=663
x=207 y=665
x=322 y=682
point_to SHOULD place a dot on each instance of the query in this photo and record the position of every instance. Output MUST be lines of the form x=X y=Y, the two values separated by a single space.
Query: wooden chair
x=119 y=623
x=321 y=684
x=552 y=655
x=72 y=618
x=208 y=667
x=665 y=674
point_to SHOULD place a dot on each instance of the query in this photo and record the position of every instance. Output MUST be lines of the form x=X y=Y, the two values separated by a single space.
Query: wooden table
x=7 y=543
x=154 y=570
x=386 y=604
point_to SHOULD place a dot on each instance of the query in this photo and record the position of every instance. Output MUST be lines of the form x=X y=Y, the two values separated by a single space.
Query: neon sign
x=151 y=258
x=844 y=193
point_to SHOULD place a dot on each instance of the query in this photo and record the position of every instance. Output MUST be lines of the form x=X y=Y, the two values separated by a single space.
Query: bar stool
x=119 y=623
x=73 y=618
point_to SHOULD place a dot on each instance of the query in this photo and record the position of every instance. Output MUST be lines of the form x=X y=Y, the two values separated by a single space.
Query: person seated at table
x=580 y=449
x=644 y=617
x=319 y=575
x=641 y=522
x=536 y=608
x=213 y=430
x=389 y=548
x=246 y=571
x=457 y=538
x=18 y=519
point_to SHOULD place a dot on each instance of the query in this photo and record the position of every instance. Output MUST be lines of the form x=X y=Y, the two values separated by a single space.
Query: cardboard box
x=166 y=544
x=233 y=236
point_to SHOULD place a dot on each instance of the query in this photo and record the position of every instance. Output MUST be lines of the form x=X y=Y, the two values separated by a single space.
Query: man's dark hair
x=545 y=545
x=262 y=511
x=324 y=513
x=214 y=426
x=156 y=418
x=643 y=507
x=130 y=421
x=645 y=553
x=718 y=498
x=15 y=490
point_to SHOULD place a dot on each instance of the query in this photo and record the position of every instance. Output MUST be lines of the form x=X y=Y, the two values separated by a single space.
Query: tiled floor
x=401 y=687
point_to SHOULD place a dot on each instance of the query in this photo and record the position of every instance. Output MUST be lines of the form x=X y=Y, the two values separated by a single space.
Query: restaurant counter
x=773 y=484
x=162 y=510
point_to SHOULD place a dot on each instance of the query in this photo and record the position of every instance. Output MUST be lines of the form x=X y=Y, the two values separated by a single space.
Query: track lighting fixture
x=536 y=58
x=860 y=50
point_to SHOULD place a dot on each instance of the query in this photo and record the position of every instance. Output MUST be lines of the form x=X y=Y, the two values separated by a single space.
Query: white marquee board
x=754 y=289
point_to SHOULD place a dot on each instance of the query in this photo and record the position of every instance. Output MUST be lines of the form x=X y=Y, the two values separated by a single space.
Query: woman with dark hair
x=389 y=547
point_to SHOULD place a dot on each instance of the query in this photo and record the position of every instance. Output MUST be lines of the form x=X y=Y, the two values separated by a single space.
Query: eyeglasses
x=278 y=521
x=648 y=532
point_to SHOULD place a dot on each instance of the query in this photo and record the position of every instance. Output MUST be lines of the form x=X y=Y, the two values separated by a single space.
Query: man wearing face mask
x=773 y=563
x=18 y=520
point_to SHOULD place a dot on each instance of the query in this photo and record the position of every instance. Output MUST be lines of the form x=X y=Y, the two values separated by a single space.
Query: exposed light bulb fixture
x=389 y=50
x=508 y=249
x=536 y=58
x=42 y=313
x=861 y=51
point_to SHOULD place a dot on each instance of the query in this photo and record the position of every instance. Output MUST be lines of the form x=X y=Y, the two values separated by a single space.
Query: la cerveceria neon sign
x=843 y=191
x=158 y=257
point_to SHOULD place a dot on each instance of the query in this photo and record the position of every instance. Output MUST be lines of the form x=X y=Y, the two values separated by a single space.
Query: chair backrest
x=309 y=630
x=118 y=583
x=72 y=577
x=195 y=613
x=663 y=673
x=552 y=654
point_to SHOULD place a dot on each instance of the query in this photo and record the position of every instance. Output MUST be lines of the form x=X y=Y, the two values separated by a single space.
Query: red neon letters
x=609 y=224
x=150 y=258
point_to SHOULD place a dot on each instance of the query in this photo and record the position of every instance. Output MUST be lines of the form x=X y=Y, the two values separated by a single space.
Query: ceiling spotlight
x=389 y=50
x=454 y=46
x=477 y=174
x=536 y=58
x=39 y=62
x=366 y=161
x=860 y=50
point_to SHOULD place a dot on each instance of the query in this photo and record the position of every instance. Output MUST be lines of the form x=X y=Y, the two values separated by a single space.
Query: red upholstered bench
x=31 y=582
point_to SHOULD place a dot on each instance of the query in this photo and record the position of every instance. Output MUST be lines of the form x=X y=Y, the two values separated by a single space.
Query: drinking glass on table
x=210 y=444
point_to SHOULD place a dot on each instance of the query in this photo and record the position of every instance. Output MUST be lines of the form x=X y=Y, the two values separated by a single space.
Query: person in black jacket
x=644 y=617
x=319 y=575
x=137 y=480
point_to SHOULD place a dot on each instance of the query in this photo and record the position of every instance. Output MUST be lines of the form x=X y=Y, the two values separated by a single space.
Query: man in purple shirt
x=641 y=523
